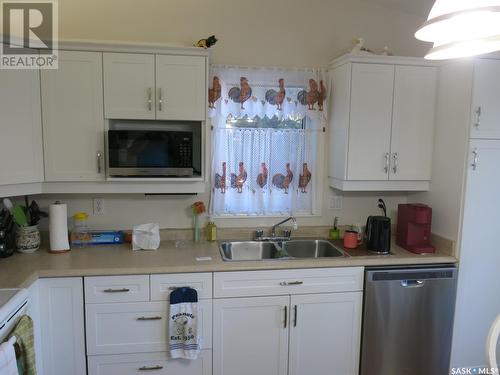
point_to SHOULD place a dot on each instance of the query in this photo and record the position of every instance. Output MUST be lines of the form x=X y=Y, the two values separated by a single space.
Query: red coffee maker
x=414 y=228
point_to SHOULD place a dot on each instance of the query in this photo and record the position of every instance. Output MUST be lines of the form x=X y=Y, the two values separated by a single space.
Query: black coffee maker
x=378 y=232
x=7 y=234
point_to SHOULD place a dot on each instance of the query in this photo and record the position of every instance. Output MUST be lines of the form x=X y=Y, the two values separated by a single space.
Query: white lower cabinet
x=325 y=333
x=296 y=334
x=251 y=336
x=62 y=326
x=154 y=363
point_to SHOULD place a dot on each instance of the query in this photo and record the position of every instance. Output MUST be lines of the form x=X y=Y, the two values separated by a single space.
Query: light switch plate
x=335 y=202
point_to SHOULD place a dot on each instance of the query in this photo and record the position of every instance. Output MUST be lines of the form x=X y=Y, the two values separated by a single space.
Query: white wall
x=450 y=149
x=257 y=32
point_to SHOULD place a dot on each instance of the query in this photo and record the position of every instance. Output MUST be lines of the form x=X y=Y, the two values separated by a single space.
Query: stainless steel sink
x=265 y=250
x=311 y=249
x=249 y=250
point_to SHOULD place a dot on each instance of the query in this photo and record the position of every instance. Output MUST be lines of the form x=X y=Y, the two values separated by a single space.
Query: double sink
x=289 y=249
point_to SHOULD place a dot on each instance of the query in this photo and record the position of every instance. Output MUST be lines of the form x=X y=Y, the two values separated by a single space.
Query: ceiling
x=419 y=8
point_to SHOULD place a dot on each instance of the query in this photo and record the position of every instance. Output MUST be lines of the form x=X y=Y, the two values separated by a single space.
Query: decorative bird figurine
x=262 y=176
x=322 y=95
x=309 y=97
x=304 y=178
x=241 y=94
x=237 y=181
x=220 y=181
x=214 y=92
x=281 y=181
x=277 y=97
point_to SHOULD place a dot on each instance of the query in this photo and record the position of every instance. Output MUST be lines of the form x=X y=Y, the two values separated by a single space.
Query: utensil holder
x=27 y=239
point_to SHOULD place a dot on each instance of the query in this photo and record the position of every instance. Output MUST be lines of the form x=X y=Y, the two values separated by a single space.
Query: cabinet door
x=251 y=336
x=73 y=123
x=20 y=127
x=62 y=326
x=370 y=123
x=129 y=86
x=325 y=332
x=180 y=87
x=413 y=122
x=485 y=114
x=478 y=281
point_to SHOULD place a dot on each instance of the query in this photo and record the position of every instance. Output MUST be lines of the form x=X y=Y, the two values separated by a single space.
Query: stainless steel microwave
x=153 y=149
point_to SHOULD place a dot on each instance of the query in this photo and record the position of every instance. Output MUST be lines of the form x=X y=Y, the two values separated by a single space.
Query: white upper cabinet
x=370 y=127
x=180 y=87
x=129 y=86
x=381 y=123
x=413 y=123
x=73 y=122
x=485 y=114
x=147 y=86
x=20 y=127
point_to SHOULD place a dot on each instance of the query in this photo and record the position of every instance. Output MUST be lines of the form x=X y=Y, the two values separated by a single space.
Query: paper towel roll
x=58 y=227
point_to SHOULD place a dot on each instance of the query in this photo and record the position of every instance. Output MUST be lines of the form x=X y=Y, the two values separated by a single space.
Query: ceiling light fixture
x=460 y=28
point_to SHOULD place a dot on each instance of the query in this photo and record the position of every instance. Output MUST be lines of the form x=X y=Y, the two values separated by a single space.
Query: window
x=265 y=141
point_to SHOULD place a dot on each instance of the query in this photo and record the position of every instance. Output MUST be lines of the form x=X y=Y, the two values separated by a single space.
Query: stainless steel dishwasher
x=408 y=321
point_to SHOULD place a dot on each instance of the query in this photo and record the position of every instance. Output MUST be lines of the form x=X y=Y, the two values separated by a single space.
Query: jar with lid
x=80 y=235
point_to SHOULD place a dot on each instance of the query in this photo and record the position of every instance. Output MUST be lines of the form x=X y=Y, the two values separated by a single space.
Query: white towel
x=184 y=341
x=8 y=363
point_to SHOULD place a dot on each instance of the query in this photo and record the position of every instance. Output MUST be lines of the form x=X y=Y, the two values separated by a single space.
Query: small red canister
x=351 y=239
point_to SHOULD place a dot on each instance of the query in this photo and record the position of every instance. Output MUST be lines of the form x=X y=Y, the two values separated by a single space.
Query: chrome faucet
x=273 y=229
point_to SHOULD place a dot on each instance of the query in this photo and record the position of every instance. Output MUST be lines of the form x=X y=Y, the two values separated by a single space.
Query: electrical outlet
x=98 y=206
x=335 y=202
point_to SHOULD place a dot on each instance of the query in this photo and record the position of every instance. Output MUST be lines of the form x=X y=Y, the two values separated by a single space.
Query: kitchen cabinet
x=311 y=325
x=180 y=87
x=21 y=127
x=251 y=335
x=148 y=86
x=73 y=122
x=381 y=124
x=325 y=331
x=62 y=326
x=129 y=86
x=485 y=113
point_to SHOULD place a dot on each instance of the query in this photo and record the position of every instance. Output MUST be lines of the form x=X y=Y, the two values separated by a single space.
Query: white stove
x=13 y=304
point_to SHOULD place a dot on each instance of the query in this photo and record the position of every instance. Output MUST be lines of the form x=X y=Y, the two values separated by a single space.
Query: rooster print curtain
x=265 y=169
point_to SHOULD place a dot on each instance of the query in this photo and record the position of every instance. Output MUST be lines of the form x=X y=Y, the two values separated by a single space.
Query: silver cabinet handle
x=386 y=166
x=295 y=314
x=99 y=162
x=148 y=368
x=395 y=162
x=150 y=99
x=286 y=283
x=286 y=317
x=475 y=159
x=122 y=290
x=160 y=100
x=149 y=318
x=478 y=117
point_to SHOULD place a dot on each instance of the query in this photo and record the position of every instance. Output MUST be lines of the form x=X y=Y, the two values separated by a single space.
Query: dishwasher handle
x=412 y=283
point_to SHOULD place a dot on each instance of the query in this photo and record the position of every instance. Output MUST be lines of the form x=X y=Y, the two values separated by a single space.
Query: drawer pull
x=122 y=290
x=149 y=318
x=148 y=368
x=286 y=283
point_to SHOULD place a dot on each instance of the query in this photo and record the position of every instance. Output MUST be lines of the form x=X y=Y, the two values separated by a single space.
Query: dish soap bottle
x=334 y=232
x=211 y=230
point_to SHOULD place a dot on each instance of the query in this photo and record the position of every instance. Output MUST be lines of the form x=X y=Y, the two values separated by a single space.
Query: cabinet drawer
x=120 y=328
x=162 y=285
x=158 y=364
x=102 y=289
x=281 y=282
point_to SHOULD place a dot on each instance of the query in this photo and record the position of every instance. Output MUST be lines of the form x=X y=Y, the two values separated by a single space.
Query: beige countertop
x=20 y=270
